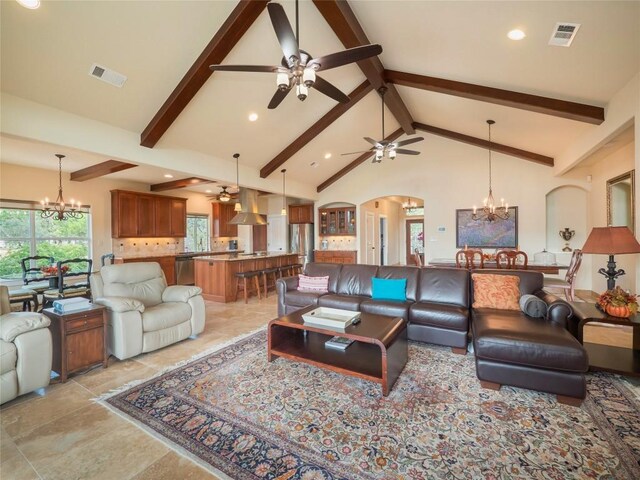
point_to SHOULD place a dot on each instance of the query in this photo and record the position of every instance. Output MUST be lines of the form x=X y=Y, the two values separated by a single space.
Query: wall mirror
x=621 y=201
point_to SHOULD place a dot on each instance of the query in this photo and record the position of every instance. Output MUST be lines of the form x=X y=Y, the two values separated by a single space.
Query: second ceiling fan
x=384 y=148
x=298 y=68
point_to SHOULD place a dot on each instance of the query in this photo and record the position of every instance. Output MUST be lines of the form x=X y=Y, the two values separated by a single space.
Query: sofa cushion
x=444 y=285
x=165 y=315
x=389 y=289
x=496 y=291
x=356 y=280
x=143 y=281
x=332 y=270
x=390 y=308
x=346 y=302
x=512 y=337
x=441 y=315
x=299 y=298
x=533 y=306
x=409 y=272
x=313 y=284
x=8 y=357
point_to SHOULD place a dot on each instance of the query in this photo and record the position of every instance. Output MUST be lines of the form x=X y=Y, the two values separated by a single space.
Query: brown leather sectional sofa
x=510 y=347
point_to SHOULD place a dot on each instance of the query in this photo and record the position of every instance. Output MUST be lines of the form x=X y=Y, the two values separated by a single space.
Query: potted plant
x=618 y=303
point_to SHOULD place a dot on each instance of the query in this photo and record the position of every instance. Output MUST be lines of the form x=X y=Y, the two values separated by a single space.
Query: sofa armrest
x=180 y=293
x=287 y=283
x=17 y=323
x=559 y=311
x=120 y=304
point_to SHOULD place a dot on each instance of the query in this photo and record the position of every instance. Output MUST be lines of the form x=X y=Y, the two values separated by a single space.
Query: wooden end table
x=624 y=361
x=379 y=352
x=79 y=339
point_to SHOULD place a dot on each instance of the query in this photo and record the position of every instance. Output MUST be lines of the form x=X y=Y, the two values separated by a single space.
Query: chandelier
x=60 y=210
x=489 y=211
x=409 y=204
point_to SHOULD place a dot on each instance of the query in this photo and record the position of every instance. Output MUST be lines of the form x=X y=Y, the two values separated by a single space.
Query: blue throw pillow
x=389 y=289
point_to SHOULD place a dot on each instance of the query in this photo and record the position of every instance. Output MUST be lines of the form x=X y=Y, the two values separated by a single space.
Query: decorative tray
x=333 y=318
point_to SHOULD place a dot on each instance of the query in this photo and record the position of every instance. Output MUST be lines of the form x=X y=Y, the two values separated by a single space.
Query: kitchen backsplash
x=146 y=246
x=347 y=242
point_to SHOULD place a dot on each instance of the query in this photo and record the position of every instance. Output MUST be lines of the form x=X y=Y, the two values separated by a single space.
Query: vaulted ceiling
x=46 y=55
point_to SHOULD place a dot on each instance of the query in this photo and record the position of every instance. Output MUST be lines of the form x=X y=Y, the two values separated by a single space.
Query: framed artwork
x=482 y=234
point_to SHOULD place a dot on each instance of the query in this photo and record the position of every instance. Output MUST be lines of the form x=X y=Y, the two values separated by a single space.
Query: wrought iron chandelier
x=489 y=211
x=60 y=210
x=409 y=204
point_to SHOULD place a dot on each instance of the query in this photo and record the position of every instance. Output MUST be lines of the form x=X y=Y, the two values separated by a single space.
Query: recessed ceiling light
x=516 y=34
x=253 y=117
x=168 y=175
x=314 y=164
x=30 y=4
x=207 y=191
x=327 y=156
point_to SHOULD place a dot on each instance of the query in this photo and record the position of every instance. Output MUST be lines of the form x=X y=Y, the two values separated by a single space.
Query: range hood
x=249 y=215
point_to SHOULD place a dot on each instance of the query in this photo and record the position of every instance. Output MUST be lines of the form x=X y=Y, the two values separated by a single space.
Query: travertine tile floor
x=62 y=434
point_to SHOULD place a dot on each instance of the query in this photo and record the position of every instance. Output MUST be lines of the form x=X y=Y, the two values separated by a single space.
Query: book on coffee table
x=338 y=343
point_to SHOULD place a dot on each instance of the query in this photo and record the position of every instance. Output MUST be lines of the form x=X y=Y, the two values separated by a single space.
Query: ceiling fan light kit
x=298 y=68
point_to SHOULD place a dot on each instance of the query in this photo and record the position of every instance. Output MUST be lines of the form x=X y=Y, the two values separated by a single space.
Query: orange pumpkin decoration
x=621 y=311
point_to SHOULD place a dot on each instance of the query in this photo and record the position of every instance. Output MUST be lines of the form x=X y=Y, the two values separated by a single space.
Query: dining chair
x=79 y=270
x=417 y=258
x=512 y=260
x=107 y=259
x=568 y=284
x=32 y=274
x=469 y=258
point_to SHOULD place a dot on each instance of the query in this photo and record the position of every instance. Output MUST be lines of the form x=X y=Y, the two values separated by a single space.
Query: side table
x=79 y=339
x=624 y=361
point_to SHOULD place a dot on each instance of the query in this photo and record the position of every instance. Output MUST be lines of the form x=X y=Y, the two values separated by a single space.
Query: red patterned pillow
x=313 y=284
x=496 y=291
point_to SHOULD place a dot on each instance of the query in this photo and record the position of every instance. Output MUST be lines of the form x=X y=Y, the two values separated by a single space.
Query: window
x=410 y=212
x=197 y=233
x=24 y=233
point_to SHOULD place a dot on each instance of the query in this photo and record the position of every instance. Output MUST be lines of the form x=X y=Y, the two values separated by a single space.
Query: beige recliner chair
x=144 y=313
x=25 y=350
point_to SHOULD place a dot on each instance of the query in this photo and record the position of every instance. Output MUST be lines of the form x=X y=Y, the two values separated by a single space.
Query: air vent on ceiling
x=107 y=75
x=563 y=34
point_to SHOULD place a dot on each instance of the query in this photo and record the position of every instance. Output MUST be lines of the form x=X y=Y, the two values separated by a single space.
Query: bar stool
x=284 y=271
x=265 y=278
x=296 y=268
x=242 y=278
x=25 y=296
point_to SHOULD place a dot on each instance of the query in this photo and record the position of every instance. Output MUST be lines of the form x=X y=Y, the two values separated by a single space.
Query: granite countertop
x=234 y=257
x=180 y=254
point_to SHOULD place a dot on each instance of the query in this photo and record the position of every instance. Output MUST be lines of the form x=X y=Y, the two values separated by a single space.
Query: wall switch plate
x=433 y=239
x=442 y=229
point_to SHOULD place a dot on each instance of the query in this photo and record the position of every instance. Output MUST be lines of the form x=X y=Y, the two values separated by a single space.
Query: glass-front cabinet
x=337 y=221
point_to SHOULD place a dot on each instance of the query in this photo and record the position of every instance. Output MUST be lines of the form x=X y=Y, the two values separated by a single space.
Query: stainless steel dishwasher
x=184 y=270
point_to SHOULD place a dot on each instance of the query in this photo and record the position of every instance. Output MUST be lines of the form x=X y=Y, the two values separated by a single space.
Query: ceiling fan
x=384 y=148
x=298 y=68
x=224 y=195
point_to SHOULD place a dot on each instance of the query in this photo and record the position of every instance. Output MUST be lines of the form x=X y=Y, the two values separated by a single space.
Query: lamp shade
x=611 y=241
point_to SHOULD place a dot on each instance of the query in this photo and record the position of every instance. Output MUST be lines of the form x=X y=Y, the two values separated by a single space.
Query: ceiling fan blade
x=373 y=142
x=407 y=152
x=329 y=90
x=284 y=32
x=408 y=141
x=248 y=68
x=353 y=153
x=278 y=97
x=350 y=55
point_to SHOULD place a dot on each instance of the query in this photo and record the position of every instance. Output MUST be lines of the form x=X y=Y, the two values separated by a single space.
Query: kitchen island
x=215 y=275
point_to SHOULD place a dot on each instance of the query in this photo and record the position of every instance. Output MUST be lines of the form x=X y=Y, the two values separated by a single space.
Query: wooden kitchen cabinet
x=222 y=213
x=336 y=256
x=137 y=214
x=300 y=213
x=79 y=339
x=337 y=221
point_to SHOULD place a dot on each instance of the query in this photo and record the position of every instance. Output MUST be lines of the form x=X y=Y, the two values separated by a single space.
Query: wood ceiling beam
x=479 y=142
x=345 y=25
x=533 y=103
x=362 y=158
x=99 y=170
x=231 y=31
x=336 y=112
x=184 y=182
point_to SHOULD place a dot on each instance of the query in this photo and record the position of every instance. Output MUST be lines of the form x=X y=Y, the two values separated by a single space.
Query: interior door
x=370 y=239
x=414 y=239
x=277 y=233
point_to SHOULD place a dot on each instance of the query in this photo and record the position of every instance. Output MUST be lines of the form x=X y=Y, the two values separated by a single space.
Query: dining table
x=546 y=268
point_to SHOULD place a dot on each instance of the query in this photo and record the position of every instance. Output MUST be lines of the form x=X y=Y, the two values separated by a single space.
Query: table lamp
x=611 y=241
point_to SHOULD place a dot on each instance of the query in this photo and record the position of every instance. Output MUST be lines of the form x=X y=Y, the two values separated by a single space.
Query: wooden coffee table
x=378 y=354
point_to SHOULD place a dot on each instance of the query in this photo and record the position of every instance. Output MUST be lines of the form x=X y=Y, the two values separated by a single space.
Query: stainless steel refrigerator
x=301 y=241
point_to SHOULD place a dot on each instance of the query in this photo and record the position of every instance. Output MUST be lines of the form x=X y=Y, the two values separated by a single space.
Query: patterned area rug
x=244 y=418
